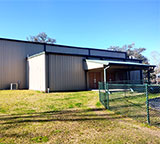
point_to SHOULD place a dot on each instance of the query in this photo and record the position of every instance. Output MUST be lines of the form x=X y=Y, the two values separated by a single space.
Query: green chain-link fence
x=137 y=101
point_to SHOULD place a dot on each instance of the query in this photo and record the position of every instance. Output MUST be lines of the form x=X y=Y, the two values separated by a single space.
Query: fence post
x=147 y=102
x=107 y=95
x=99 y=87
x=105 y=99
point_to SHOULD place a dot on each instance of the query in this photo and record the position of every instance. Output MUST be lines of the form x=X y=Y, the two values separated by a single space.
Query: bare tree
x=41 y=37
x=132 y=51
x=155 y=56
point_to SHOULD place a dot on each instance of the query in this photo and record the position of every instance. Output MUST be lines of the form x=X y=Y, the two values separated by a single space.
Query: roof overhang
x=95 y=64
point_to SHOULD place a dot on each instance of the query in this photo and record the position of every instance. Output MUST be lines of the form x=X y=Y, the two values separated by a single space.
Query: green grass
x=98 y=104
x=40 y=139
x=73 y=117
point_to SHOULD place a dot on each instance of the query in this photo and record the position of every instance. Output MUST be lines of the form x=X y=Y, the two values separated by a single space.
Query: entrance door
x=94 y=78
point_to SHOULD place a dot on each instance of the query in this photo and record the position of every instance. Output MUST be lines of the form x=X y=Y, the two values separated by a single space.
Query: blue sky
x=86 y=23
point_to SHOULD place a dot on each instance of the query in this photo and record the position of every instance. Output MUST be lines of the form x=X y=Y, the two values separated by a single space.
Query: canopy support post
x=148 y=75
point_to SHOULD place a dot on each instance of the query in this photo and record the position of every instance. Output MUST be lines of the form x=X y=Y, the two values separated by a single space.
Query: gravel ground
x=155 y=103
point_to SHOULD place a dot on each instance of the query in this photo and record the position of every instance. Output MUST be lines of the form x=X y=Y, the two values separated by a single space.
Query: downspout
x=105 y=73
x=48 y=89
x=106 y=88
x=47 y=69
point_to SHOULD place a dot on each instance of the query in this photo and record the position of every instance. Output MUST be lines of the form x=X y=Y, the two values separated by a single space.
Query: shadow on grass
x=68 y=115
x=64 y=115
x=93 y=114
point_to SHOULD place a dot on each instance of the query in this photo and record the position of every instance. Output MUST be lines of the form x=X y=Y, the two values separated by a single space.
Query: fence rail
x=138 y=101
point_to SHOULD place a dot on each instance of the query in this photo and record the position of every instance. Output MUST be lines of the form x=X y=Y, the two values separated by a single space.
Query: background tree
x=132 y=52
x=155 y=56
x=41 y=37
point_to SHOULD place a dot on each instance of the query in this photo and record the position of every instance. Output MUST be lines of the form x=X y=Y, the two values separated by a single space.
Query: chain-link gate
x=137 y=101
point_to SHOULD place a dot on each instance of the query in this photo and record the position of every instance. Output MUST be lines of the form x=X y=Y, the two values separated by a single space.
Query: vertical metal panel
x=13 y=65
x=66 y=73
x=37 y=75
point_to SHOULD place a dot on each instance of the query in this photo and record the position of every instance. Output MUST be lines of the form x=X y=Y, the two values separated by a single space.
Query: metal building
x=39 y=66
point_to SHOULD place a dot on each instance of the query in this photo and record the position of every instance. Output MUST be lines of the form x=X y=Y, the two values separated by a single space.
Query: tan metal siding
x=66 y=73
x=66 y=50
x=13 y=65
x=107 y=54
x=37 y=73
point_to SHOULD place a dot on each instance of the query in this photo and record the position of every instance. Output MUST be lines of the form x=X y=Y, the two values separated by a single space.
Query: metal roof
x=106 y=62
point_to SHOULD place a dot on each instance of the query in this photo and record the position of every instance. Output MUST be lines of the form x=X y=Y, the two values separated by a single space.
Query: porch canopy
x=125 y=65
x=95 y=64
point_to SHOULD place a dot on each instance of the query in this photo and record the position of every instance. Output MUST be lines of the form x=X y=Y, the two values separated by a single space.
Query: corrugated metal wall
x=13 y=62
x=66 y=73
x=37 y=73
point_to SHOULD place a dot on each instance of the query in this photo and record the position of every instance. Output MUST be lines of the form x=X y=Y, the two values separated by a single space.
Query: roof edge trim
x=14 y=40
x=35 y=55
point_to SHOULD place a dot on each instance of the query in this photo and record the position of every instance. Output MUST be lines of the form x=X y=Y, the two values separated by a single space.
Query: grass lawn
x=28 y=117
